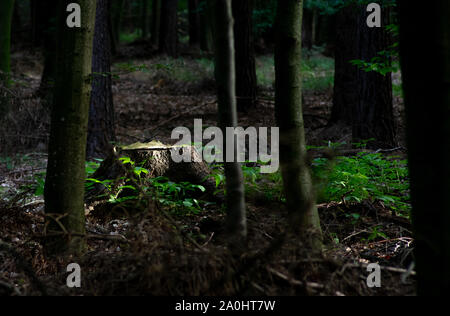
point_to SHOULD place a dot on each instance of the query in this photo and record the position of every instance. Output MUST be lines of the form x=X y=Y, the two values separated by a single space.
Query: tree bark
x=246 y=84
x=226 y=94
x=101 y=114
x=296 y=174
x=206 y=34
x=49 y=33
x=373 y=115
x=315 y=18
x=64 y=186
x=6 y=12
x=144 y=18
x=117 y=7
x=168 y=40
x=345 y=82
x=425 y=61
x=363 y=99
x=16 y=26
x=38 y=16
x=306 y=28
x=156 y=22
x=194 y=23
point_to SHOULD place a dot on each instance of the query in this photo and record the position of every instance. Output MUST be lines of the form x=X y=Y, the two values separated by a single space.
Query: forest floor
x=145 y=253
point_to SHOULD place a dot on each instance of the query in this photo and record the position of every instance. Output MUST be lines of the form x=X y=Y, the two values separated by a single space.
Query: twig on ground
x=209 y=239
x=365 y=265
x=116 y=237
x=355 y=234
x=11 y=287
x=389 y=150
x=311 y=285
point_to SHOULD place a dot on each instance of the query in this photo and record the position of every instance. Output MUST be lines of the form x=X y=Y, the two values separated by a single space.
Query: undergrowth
x=364 y=177
x=177 y=197
x=317 y=70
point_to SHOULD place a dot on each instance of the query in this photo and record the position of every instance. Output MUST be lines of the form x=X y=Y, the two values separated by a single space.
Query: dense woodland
x=96 y=96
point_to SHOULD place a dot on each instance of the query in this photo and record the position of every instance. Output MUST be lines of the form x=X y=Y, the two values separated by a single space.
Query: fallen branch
x=11 y=287
x=312 y=285
x=209 y=239
x=389 y=150
x=385 y=268
x=118 y=237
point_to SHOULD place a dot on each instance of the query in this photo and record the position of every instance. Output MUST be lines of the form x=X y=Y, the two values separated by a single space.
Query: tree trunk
x=168 y=40
x=345 y=94
x=206 y=35
x=315 y=17
x=101 y=113
x=156 y=22
x=64 y=186
x=49 y=33
x=246 y=84
x=6 y=12
x=37 y=14
x=194 y=23
x=306 y=29
x=16 y=26
x=117 y=7
x=363 y=99
x=425 y=60
x=373 y=115
x=144 y=18
x=225 y=80
x=297 y=180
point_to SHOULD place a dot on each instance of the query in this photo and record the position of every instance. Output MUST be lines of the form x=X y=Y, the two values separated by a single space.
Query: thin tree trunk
x=37 y=16
x=64 y=186
x=168 y=40
x=246 y=84
x=315 y=17
x=16 y=27
x=101 y=114
x=144 y=18
x=6 y=12
x=306 y=29
x=297 y=180
x=111 y=30
x=49 y=38
x=425 y=61
x=117 y=7
x=225 y=79
x=33 y=8
x=206 y=33
x=156 y=22
x=194 y=23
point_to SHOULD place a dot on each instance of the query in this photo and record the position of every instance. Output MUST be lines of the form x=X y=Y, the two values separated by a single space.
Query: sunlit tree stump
x=156 y=158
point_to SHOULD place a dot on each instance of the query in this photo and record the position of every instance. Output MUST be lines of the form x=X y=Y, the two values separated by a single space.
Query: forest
x=224 y=148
